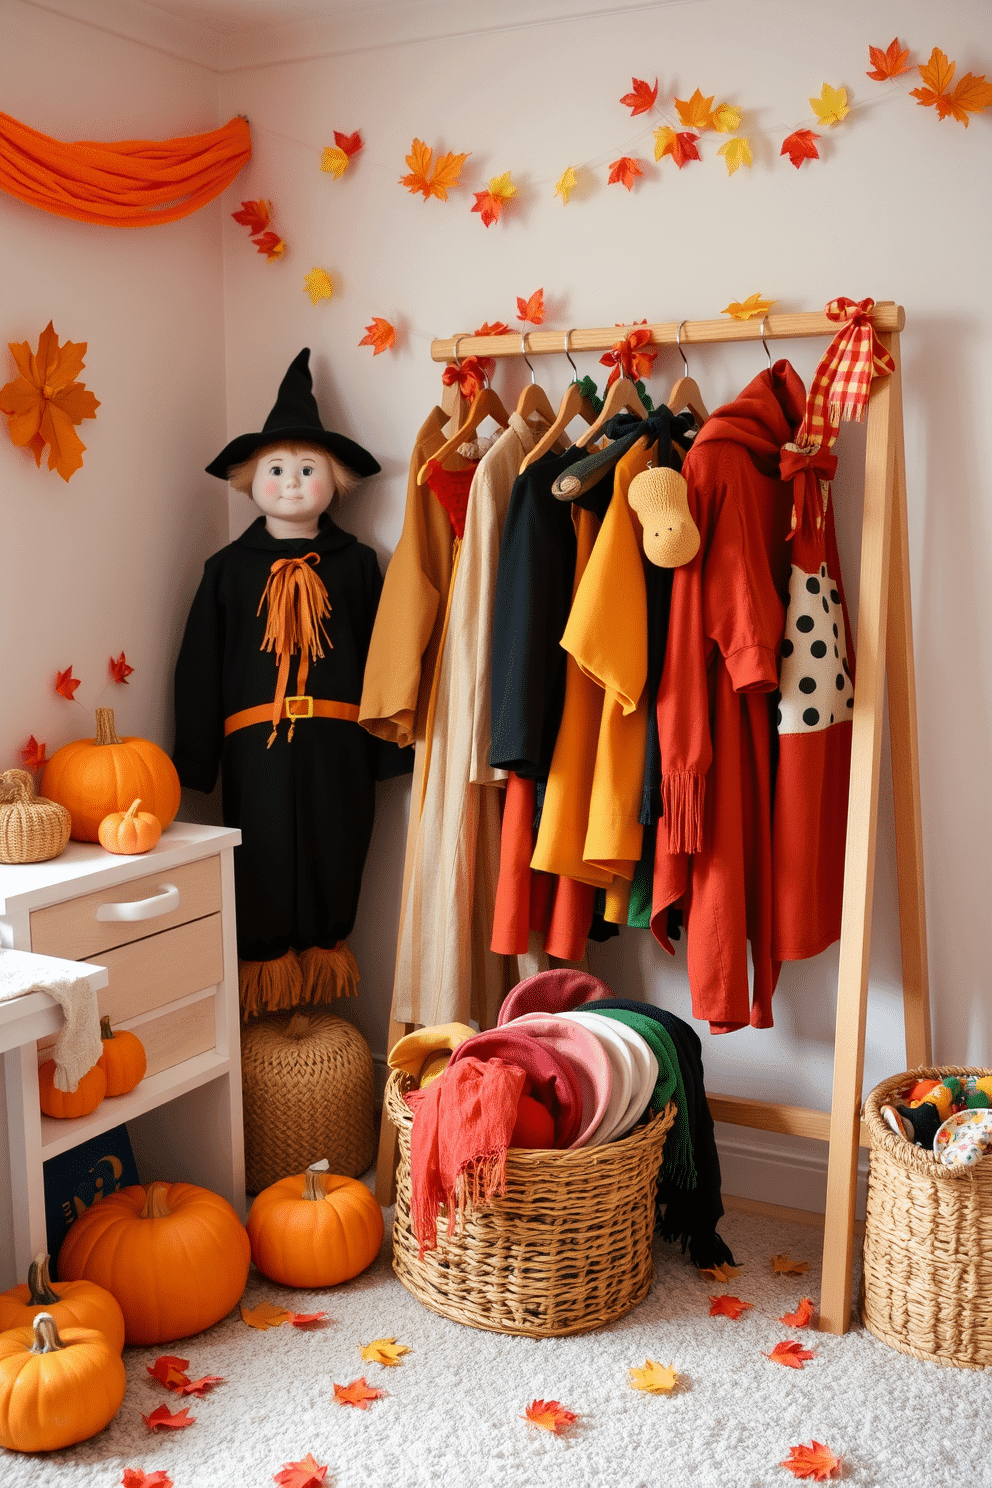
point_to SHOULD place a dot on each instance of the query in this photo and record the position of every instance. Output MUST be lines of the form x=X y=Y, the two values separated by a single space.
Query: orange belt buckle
x=305 y=708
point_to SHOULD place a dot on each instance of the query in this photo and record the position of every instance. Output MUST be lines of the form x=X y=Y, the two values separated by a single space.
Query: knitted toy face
x=292 y=488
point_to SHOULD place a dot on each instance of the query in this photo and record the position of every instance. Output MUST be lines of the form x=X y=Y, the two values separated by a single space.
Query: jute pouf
x=308 y=1087
x=927 y=1287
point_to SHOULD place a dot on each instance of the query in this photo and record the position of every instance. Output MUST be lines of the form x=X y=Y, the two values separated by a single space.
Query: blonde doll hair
x=241 y=476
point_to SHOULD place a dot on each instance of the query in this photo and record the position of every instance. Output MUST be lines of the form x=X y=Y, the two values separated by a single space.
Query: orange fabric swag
x=129 y=183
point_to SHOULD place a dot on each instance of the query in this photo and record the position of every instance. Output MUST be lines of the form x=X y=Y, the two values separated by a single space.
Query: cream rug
x=452 y=1411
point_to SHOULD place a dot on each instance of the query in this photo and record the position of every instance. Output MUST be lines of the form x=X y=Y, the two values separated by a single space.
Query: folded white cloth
x=78 y=1045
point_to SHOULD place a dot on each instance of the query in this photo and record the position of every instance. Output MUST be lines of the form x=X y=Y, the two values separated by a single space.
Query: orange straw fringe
x=297 y=607
x=329 y=973
x=314 y=976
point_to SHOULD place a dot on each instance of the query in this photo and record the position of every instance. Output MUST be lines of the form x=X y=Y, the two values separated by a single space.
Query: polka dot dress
x=815 y=682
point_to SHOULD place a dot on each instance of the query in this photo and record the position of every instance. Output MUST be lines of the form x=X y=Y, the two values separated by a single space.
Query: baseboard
x=766 y=1169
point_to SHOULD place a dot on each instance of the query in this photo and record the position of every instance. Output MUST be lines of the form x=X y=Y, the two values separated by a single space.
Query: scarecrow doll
x=268 y=682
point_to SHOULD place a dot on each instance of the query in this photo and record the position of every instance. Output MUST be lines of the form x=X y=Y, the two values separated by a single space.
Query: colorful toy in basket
x=926 y=1105
x=964 y=1139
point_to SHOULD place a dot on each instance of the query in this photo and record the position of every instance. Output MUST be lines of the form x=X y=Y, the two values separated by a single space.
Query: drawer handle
x=162 y=903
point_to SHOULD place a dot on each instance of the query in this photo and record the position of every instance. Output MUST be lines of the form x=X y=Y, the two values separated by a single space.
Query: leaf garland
x=489 y=204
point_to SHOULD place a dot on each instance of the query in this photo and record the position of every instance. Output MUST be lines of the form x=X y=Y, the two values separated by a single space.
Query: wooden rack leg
x=859 y=867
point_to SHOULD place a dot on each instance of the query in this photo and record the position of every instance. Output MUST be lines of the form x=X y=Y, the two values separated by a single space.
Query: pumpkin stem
x=106 y=733
x=40 y=1282
x=16 y=785
x=155 y=1206
x=106 y=1032
x=129 y=813
x=313 y=1183
x=46 y=1335
x=297 y=1026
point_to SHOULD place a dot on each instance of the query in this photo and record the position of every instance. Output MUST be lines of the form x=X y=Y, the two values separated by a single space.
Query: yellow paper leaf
x=663 y=138
x=726 y=119
x=566 y=184
x=385 y=1351
x=335 y=161
x=318 y=285
x=696 y=112
x=502 y=186
x=654 y=1378
x=748 y=309
x=736 y=152
x=831 y=106
x=784 y=1265
x=263 y=1316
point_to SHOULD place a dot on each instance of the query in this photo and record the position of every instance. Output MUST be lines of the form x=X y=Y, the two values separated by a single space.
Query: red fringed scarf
x=842 y=380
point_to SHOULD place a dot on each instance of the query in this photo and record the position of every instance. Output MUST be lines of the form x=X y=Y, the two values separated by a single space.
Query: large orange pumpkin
x=56 y=1388
x=175 y=1256
x=69 y=1103
x=73 y=1304
x=123 y=1060
x=314 y=1230
x=93 y=777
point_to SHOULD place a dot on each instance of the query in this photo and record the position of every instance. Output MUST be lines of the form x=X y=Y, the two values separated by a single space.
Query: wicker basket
x=927 y=1287
x=565 y=1250
x=308 y=1087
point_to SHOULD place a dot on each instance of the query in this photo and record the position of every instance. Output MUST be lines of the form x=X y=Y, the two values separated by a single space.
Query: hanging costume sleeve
x=199 y=702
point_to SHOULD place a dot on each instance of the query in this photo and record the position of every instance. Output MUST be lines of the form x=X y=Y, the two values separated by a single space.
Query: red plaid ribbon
x=810 y=469
x=842 y=380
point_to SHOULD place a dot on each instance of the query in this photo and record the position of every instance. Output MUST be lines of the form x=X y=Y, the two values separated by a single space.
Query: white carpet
x=452 y=1412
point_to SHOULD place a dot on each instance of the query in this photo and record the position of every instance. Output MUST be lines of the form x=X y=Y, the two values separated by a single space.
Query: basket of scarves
x=565 y=1249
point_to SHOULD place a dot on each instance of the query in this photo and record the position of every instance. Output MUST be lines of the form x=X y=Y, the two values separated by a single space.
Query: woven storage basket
x=308 y=1087
x=566 y=1249
x=927 y=1287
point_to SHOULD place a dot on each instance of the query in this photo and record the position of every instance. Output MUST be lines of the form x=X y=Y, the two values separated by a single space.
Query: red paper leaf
x=163 y=1418
x=549 y=1415
x=629 y=357
x=306 y=1319
x=255 y=215
x=380 y=335
x=349 y=143
x=307 y=1473
x=803 y=1315
x=888 y=64
x=66 y=683
x=727 y=1306
x=489 y=206
x=202 y=1385
x=169 y=1371
x=498 y=328
x=815 y=1461
x=800 y=145
x=624 y=172
x=533 y=309
x=358 y=1393
x=470 y=376
x=642 y=99
x=33 y=754
x=271 y=244
x=119 y=669
x=790 y=1353
x=680 y=144
x=135 y=1478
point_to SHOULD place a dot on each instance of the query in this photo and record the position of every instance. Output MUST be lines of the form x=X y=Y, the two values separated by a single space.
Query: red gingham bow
x=842 y=380
x=810 y=469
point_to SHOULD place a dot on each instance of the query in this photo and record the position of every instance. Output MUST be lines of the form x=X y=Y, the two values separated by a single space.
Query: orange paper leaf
x=549 y=1415
x=531 y=310
x=784 y=1265
x=33 y=754
x=972 y=95
x=119 y=669
x=815 y=1461
x=358 y=1393
x=380 y=335
x=385 y=1351
x=802 y=1316
x=470 y=376
x=307 y=1473
x=800 y=145
x=888 y=64
x=696 y=112
x=432 y=179
x=45 y=402
x=306 y=1319
x=66 y=683
x=641 y=99
x=680 y=145
x=790 y=1353
x=723 y=1272
x=488 y=206
x=135 y=1478
x=202 y=1385
x=255 y=215
x=264 y=1315
x=271 y=244
x=498 y=328
x=629 y=357
x=169 y=1371
x=727 y=1306
x=164 y=1419
x=624 y=172
x=747 y=309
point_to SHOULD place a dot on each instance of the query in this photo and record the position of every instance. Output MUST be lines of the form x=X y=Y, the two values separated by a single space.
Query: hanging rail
x=886 y=317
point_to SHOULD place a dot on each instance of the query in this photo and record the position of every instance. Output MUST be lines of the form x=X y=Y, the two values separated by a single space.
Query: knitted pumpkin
x=67 y=1104
x=73 y=1304
x=93 y=777
x=315 y=1229
x=123 y=1059
x=32 y=828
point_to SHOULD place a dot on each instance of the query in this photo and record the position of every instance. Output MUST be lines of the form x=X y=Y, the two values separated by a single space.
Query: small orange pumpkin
x=69 y=1103
x=123 y=1059
x=130 y=832
x=56 y=1388
x=315 y=1229
x=73 y=1304
x=93 y=777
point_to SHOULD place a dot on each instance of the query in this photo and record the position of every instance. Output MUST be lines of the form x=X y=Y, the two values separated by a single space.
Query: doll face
x=292 y=489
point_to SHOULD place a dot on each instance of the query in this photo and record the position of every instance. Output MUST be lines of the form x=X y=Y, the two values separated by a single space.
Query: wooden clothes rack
x=884 y=661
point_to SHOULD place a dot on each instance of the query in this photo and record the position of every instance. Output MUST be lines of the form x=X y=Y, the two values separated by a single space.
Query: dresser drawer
x=73 y=931
x=178 y=1035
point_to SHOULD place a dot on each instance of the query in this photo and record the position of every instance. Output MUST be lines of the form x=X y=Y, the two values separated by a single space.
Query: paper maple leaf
x=33 y=754
x=680 y=145
x=629 y=357
x=624 y=172
x=802 y=1316
x=641 y=99
x=432 y=180
x=271 y=244
x=800 y=145
x=790 y=1353
x=336 y=157
x=498 y=328
x=888 y=64
x=66 y=683
x=489 y=204
x=815 y=1461
x=736 y=152
x=119 y=669
x=784 y=1265
x=358 y=1393
x=727 y=1306
x=566 y=184
x=972 y=95
x=164 y=1419
x=45 y=402
x=470 y=376
x=306 y=1319
x=200 y=1386
x=385 y=1351
x=379 y=334
x=654 y=1378
x=318 y=285
x=263 y=1316
x=747 y=309
x=135 y=1478
x=531 y=310
x=723 y=1272
x=307 y=1473
x=169 y=1371
x=696 y=112
x=726 y=118
x=831 y=106
x=549 y=1415
x=255 y=215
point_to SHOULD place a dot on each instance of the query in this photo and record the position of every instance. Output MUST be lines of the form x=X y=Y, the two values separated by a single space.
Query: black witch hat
x=295 y=417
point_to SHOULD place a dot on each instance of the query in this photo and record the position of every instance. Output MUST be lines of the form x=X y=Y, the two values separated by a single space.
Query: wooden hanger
x=574 y=404
x=685 y=393
x=486 y=404
x=533 y=399
x=623 y=394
